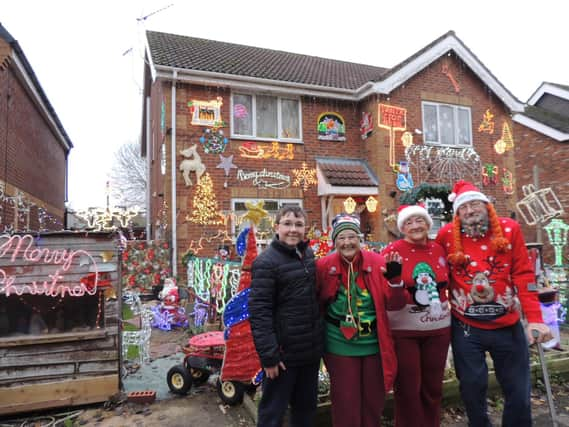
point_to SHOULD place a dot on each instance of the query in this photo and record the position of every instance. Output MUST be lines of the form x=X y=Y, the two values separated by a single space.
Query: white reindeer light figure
x=192 y=162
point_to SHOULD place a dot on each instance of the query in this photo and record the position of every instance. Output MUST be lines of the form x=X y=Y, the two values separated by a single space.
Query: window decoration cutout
x=444 y=165
x=304 y=177
x=191 y=163
x=206 y=113
x=506 y=142
x=404 y=180
x=366 y=125
x=407 y=139
x=393 y=119
x=331 y=127
x=240 y=111
x=487 y=125
x=538 y=206
x=253 y=150
x=213 y=140
x=265 y=178
x=445 y=70
x=507 y=181
x=489 y=174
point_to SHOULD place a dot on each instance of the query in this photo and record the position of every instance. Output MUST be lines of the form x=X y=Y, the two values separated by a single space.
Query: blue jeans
x=508 y=348
x=297 y=386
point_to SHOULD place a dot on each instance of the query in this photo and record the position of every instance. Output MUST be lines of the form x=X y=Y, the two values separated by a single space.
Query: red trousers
x=356 y=390
x=419 y=382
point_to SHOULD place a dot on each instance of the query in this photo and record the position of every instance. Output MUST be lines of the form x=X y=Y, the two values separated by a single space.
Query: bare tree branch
x=128 y=176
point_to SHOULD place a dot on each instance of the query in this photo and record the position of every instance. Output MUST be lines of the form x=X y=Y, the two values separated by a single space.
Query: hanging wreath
x=426 y=191
x=213 y=141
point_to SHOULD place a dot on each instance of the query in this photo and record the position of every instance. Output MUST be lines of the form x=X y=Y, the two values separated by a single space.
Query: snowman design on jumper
x=425 y=292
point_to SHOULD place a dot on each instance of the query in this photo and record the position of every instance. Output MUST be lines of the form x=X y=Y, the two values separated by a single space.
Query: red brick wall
x=31 y=158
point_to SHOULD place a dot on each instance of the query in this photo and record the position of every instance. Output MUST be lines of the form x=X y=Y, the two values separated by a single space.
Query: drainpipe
x=148 y=174
x=173 y=172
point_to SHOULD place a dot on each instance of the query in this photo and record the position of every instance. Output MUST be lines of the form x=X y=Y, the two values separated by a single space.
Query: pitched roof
x=549 y=118
x=185 y=52
x=347 y=172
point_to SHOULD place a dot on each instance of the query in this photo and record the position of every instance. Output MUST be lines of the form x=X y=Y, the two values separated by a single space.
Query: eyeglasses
x=290 y=224
x=474 y=205
x=348 y=238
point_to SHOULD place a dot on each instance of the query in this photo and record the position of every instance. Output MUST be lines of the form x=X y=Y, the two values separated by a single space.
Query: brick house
x=34 y=147
x=542 y=157
x=369 y=133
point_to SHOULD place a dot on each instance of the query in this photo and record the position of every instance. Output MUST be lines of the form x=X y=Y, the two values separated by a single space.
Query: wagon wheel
x=199 y=376
x=179 y=379
x=230 y=392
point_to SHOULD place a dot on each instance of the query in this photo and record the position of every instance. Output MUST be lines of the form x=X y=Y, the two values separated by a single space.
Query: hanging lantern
x=349 y=205
x=557 y=232
x=371 y=204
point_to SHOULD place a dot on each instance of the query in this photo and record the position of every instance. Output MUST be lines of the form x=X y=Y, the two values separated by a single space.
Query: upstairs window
x=445 y=124
x=265 y=117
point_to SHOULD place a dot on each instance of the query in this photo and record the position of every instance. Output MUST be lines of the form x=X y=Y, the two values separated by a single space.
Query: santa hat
x=463 y=192
x=344 y=222
x=407 y=211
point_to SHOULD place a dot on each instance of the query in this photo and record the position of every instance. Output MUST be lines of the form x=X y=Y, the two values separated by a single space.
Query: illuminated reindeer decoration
x=192 y=162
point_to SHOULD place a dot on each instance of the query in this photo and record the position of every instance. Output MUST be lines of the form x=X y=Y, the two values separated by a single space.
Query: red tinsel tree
x=241 y=362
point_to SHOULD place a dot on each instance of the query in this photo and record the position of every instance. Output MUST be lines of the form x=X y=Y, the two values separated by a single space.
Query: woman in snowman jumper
x=421 y=330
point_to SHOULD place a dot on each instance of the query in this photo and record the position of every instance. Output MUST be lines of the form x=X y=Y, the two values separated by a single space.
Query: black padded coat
x=284 y=312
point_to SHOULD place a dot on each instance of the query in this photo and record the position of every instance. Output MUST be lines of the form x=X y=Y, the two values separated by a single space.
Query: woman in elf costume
x=421 y=329
x=359 y=351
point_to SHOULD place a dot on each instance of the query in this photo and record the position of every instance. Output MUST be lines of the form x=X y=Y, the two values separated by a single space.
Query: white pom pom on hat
x=404 y=212
x=463 y=192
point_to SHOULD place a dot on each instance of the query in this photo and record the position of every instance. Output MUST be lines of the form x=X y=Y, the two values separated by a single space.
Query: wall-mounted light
x=371 y=204
x=349 y=205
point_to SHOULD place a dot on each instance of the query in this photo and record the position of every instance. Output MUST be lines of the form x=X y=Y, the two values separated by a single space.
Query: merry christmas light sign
x=15 y=249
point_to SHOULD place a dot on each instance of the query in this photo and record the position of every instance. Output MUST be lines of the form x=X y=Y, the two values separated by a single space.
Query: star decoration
x=304 y=177
x=255 y=212
x=226 y=164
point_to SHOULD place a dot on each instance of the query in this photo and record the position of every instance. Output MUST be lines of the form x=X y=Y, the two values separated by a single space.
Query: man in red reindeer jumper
x=490 y=274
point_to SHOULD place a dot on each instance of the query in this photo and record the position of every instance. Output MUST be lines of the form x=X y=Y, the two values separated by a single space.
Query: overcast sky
x=86 y=54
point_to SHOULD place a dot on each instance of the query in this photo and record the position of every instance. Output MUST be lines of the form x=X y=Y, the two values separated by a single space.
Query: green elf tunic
x=364 y=342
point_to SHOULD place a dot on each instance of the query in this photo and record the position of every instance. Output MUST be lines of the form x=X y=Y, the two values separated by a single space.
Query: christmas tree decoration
x=304 y=177
x=489 y=174
x=191 y=163
x=538 y=206
x=508 y=182
x=366 y=125
x=206 y=113
x=255 y=212
x=205 y=210
x=241 y=361
x=487 y=125
x=445 y=70
x=331 y=127
x=213 y=141
x=507 y=137
x=393 y=119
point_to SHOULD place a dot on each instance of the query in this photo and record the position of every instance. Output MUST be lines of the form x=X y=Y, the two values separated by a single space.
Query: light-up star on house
x=304 y=177
x=255 y=212
x=226 y=164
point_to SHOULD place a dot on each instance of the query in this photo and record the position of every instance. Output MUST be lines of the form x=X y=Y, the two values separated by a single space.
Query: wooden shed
x=60 y=307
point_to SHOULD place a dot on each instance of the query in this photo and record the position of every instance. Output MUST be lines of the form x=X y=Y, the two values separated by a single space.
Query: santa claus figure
x=170 y=296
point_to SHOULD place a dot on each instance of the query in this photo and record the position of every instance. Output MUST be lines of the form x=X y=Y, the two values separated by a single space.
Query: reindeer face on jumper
x=481 y=290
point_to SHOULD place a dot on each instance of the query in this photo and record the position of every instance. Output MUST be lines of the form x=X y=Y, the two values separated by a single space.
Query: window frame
x=280 y=202
x=455 y=109
x=253 y=114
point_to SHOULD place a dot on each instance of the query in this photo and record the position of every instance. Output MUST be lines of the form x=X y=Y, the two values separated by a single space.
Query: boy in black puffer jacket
x=286 y=323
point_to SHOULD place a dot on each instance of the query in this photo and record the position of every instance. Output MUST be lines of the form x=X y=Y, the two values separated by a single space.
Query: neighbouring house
x=34 y=147
x=542 y=155
x=259 y=124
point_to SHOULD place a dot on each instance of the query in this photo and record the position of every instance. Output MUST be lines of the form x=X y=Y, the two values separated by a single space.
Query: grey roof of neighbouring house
x=549 y=118
x=178 y=51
